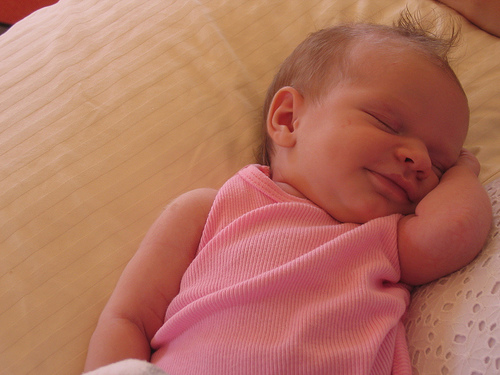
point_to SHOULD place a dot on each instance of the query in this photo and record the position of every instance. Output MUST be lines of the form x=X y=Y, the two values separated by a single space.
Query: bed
x=109 y=109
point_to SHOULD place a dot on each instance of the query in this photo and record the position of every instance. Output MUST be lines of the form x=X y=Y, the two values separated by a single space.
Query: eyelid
x=438 y=170
x=384 y=122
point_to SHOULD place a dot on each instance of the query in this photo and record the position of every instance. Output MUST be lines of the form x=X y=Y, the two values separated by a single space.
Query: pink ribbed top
x=280 y=287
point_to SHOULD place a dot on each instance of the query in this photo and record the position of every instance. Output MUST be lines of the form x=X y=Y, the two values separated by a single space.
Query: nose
x=415 y=157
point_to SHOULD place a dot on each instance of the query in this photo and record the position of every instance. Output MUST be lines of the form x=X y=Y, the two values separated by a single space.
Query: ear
x=283 y=115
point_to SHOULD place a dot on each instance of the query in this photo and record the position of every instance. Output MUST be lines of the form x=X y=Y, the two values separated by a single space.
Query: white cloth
x=128 y=367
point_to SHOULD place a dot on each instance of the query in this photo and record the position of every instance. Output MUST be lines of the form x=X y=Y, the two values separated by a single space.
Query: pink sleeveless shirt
x=280 y=287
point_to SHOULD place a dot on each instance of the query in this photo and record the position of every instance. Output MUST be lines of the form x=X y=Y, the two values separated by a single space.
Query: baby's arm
x=483 y=13
x=150 y=281
x=449 y=227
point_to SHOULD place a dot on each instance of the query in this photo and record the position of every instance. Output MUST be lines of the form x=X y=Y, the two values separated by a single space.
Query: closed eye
x=438 y=170
x=383 y=124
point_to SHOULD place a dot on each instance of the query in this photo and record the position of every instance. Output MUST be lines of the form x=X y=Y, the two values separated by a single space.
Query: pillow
x=453 y=323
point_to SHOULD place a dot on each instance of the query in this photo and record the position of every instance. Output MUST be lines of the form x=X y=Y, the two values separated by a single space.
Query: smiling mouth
x=391 y=186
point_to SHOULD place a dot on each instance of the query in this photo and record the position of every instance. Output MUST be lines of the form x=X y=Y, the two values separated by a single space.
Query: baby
x=302 y=266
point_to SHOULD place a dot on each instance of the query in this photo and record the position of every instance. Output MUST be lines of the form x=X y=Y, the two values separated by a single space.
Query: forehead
x=400 y=66
x=379 y=51
x=412 y=88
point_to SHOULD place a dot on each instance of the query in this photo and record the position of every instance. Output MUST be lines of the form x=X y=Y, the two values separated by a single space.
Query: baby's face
x=377 y=144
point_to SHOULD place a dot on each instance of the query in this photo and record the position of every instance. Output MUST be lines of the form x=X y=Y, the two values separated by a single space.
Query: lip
x=394 y=185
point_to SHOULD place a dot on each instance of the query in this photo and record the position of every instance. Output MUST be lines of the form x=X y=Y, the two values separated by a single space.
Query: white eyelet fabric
x=453 y=324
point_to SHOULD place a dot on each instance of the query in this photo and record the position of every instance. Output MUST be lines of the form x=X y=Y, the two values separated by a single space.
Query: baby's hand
x=449 y=227
x=468 y=159
x=483 y=13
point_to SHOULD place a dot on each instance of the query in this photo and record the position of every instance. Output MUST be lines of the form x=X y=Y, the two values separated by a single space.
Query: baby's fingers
x=468 y=159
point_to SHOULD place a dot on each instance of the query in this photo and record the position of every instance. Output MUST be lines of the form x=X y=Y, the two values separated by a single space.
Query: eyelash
x=388 y=127
x=439 y=171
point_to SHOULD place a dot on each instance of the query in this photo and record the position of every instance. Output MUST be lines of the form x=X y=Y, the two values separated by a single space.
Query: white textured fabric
x=109 y=109
x=454 y=323
x=128 y=367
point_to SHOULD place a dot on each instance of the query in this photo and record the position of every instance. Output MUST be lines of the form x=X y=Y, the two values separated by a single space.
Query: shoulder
x=197 y=202
x=186 y=215
x=198 y=198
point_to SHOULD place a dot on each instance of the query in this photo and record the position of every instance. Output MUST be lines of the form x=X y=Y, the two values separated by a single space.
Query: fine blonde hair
x=322 y=60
